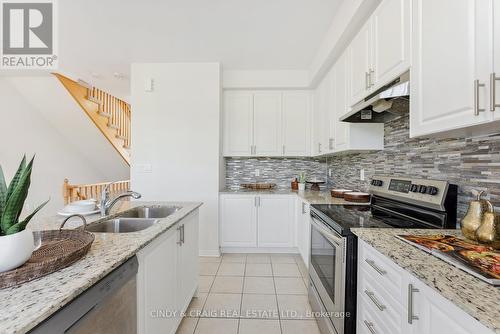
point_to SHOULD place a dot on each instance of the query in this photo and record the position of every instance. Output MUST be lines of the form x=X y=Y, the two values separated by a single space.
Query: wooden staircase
x=110 y=114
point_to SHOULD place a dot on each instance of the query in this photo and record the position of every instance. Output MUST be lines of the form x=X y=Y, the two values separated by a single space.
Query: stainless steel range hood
x=378 y=106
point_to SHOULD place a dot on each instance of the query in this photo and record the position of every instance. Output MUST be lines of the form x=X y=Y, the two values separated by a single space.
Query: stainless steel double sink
x=133 y=220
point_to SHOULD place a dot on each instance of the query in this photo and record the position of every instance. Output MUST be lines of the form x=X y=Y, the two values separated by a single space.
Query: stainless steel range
x=397 y=202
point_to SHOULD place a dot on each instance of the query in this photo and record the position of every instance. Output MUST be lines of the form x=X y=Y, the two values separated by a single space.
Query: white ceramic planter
x=302 y=186
x=15 y=249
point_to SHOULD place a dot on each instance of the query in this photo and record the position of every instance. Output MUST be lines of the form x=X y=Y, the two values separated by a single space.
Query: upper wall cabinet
x=267 y=135
x=321 y=117
x=296 y=123
x=380 y=52
x=451 y=65
x=267 y=123
x=238 y=123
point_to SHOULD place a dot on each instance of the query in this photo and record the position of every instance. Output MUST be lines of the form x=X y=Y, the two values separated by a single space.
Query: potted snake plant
x=16 y=242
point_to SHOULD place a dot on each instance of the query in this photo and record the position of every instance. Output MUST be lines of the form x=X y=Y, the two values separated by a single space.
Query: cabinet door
x=157 y=285
x=296 y=124
x=359 y=64
x=275 y=217
x=188 y=261
x=496 y=54
x=450 y=52
x=436 y=315
x=303 y=220
x=339 y=92
x=238 y=222
x=238 y=120
x=391 y=41
x=267 y=124
x=321 y=119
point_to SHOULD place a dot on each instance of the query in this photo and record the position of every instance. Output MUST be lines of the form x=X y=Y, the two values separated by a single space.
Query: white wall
x=176 y=130
x=24 y=129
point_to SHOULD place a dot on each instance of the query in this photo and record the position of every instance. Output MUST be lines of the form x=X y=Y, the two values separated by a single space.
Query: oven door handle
x=332 y=236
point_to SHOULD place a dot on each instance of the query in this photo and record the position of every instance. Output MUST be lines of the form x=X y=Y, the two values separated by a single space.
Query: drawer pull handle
x=377 y=268
x=411 y=316
x=370 y=326
x=371 y=295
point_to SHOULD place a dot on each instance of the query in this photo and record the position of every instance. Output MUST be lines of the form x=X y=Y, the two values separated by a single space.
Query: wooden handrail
x=110 y=114
x=76 y=192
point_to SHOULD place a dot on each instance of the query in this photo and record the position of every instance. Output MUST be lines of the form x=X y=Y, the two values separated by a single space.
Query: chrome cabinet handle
x=493 y=93
x=367 y=80
x=377 y=268
x=375 y=301
x=411 y=316
x=180 y=235
x=477 y=110
x=303 y=208
x=371 y=83
x=330 y=143
x=370 y=327
x=319 y=147
x=255 y=201
x=283 y=149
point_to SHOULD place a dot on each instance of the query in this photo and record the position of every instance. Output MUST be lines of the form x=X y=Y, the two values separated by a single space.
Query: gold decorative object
x=474 y=216
x=489 y=231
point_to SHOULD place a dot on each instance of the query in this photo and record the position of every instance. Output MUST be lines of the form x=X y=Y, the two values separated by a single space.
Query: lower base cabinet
x=257 y=221
x=303 y=230
x=391 y=300
x=168 y=277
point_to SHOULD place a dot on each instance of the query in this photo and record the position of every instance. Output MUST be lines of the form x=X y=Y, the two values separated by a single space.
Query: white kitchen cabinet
x=385 y=304
x=238 y=123
x=495 y=76
x=168 y=277
x=380 y=52
x=322 y=131
x=303 y=235
x=360 y=61
x=350 y=137
x=451 y=64
x=275 y=221
x=157 y=284
x=391 y=41
x=257 y=221
x=188 y=252
x=436 y=315
x=238 y=221
x=296 y=123
x=267 y=124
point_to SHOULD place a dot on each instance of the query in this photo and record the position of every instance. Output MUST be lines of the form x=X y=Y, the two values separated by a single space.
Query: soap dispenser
x=473 y=218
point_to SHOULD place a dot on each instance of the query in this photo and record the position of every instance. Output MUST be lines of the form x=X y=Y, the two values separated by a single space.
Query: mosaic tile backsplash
x=272 y=170
x=471 y=163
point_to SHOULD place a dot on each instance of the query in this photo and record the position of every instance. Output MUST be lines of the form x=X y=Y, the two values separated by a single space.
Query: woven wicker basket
x=258 y=186
x=59 y=249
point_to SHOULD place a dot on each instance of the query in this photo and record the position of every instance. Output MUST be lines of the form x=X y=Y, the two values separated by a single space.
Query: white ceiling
x=102 y=37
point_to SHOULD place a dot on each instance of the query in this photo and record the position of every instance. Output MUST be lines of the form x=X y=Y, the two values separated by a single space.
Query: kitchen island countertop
x=25 y=306
x=477 y=298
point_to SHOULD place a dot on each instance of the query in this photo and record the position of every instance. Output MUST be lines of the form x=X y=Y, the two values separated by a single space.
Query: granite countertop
x=25 y=306
x=477 y=298
x=310 y=196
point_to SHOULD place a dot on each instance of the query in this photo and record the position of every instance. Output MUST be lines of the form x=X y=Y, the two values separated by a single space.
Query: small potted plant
x=16 y=242
x=302 y=181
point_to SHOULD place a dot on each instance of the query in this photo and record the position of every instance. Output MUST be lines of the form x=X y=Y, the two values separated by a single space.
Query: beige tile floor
x=250 y=293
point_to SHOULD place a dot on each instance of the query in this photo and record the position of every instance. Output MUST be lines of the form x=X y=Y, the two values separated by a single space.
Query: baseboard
x=211 y=252
x=288 y=250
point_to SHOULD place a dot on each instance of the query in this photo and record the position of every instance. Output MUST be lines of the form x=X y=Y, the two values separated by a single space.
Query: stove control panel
x=411 y=190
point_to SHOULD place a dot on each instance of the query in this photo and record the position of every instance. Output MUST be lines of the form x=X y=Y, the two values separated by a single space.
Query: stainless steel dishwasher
x=108 y=307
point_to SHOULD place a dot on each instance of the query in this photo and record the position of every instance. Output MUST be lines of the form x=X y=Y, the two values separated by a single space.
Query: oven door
x=327 y=270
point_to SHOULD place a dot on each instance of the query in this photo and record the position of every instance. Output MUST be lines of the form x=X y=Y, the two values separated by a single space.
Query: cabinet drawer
x=368 y=321
x=387 y=274
x=382 y=302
